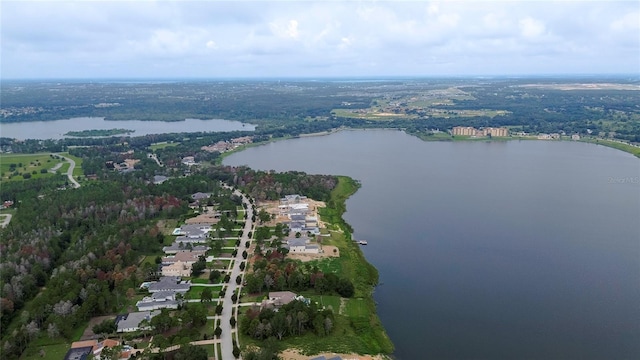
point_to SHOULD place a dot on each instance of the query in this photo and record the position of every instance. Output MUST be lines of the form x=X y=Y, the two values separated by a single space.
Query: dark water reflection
x=520 y=249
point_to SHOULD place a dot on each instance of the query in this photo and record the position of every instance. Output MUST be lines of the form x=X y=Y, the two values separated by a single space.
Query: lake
x=56 y=129
x=494 y=250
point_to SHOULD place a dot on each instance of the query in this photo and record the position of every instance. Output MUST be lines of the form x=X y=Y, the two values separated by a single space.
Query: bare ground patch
x=88 y=333
x=294 y=354
x=328 y=252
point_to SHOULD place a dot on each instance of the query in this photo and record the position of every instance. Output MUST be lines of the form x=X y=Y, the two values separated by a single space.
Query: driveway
x=5 y=221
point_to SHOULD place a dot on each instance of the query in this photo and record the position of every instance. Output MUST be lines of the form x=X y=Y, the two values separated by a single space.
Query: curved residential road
x=228 y=307
x=70 y=171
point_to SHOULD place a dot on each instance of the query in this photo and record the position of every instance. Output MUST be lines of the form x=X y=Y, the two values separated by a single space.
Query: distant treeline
x=293 y=108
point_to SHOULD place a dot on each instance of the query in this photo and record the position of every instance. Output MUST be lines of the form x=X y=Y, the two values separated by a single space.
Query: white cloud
x=628 y=22
x=70 y=39
x=531 y=28
x=285 y=29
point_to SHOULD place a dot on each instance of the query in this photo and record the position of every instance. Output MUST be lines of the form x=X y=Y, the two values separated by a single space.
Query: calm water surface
x=506 y=250
x=57 y=128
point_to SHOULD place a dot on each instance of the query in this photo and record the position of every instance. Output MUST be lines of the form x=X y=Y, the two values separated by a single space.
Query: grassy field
x=77 y=171
x=51 y=351
x=161 y=145
x=328 y=301
x=219 y=264
x=28 y=163
x=196 y=291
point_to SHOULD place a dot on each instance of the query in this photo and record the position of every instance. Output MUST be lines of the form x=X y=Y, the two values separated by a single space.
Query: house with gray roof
x=176 y=248
x=131 y=321
x=301 y=245
x=159 y=179
x=169 y=283
x=279 y=298
x=192 y=232
x=158 y=300
x=200 y=196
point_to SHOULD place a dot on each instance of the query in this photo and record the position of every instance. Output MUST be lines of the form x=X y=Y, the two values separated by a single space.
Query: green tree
x=191 y=352
x=206 y=295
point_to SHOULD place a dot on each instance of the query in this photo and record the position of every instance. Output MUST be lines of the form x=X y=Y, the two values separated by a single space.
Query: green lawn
x=30 y=163
x=162 y=145
x=51 y=352
x=344 y=338
x=219 y=264
x=328 y=265
x=328 y=301
x=357 y=308
x=196 y=291
x=151 y=259
x=199 y=281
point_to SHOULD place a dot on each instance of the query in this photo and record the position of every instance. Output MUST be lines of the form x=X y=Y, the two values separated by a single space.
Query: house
x=280 y=298
x=292 y=199
x=159 y=179
x=79 y=353
x=82 y=344
x=544 y=137
x=178 y=268
x=575 y=137
x=187 y=257
x=242 y=140
x=169 y=283
x=131 y=322
x=200 y=196
x=300 y=245
x=189 y=161
x=296 y=226
x=176 y=247
x=159 y=300
x=297 y=217
x=82 y=349
x=193 y=232
x=107 y=343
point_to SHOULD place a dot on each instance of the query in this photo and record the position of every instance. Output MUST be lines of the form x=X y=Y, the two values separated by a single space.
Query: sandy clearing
x=293 y=354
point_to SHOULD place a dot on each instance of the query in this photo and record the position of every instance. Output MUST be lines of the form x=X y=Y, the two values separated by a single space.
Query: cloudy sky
x=207 y=39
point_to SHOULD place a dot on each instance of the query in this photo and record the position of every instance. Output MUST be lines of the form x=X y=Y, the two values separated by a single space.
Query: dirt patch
x=88 y=332
x=343 y=306
x=272 y=208
x=208 y=218
x=294 y=354
x=328 y=251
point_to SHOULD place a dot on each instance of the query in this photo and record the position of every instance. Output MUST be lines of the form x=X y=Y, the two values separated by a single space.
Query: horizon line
x=635 y=76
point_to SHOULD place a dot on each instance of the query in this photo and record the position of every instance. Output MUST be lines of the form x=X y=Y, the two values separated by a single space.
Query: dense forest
x=291 y=108
x=69 y=255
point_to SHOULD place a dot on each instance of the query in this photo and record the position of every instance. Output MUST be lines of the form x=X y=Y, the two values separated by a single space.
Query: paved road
x=6 y=220
x=70 y=171
x=228 y=308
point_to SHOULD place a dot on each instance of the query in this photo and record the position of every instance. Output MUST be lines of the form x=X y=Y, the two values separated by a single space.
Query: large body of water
x=492 y=250
x=57 y=128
